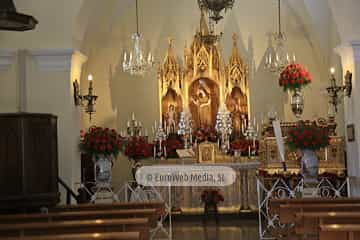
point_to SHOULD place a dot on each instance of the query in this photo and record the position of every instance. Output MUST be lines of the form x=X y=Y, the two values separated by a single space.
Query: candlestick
x=326 y=154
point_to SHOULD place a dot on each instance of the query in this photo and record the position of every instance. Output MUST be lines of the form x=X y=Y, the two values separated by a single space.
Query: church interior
x=193 y=119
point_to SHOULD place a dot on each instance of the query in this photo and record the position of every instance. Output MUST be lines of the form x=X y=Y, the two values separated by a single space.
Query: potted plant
x=306 y=139
x=103 y=145
x=244 y=147
x=211 y=198
x=293 y=78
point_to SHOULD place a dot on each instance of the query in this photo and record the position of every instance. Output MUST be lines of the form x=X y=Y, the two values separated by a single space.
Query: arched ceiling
x=312 y=20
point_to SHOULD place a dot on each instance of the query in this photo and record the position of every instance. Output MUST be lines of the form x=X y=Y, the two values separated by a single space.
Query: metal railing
x=281 y=188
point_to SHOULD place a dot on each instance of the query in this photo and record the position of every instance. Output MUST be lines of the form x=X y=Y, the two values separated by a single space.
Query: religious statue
x=171 y=119
x=236 y=103
x=202 y=101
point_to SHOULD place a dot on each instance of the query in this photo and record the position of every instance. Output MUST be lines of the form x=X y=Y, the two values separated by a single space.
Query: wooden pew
x=74 y=227
x=274 y=204
x=340 y=232
x=288 y=212
x=150 y=213
x=159 y=206
x=309 y=222
x=83 y=236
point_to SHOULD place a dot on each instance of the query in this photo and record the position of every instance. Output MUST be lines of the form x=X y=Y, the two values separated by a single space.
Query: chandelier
x=278 y=58
x=215 y=7
x=136 y=63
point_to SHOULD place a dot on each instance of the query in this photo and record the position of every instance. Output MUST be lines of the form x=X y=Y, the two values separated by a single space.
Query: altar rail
x=287 y=188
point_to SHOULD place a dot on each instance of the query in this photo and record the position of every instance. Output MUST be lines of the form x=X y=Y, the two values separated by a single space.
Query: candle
x=125 y=57
x=128 y=124
x=133 y=116
x=332 y=71
x=90 y=78
x=140 y=124
x=326 y=154
x=155 y=125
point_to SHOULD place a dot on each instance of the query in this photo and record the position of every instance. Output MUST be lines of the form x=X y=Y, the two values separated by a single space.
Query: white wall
x=48 y=83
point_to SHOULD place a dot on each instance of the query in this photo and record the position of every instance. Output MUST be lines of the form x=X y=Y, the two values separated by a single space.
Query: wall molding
x=6 y=59
x=55 y=60
x=356 y=48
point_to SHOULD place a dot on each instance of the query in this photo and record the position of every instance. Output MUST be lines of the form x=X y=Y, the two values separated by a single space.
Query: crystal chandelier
x=278 y=57
x=215 y=7
x=136 y=63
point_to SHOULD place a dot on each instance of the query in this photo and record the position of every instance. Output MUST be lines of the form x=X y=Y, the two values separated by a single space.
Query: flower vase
x=237 y=153
x=102 y=170
x=297 y=102
x=309 y=167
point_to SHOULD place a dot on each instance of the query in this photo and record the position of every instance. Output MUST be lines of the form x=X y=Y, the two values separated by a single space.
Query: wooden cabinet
x=28 y=161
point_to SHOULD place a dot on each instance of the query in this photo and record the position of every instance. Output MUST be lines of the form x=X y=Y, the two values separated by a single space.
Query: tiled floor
x=227 y=230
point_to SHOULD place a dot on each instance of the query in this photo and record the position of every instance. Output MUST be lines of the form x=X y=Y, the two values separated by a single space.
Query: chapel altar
x=209 y=90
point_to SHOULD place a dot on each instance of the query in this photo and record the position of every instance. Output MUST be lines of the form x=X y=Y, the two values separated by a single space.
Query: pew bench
x=274 y=204
x=159 y=206
x=288 y=212
x=75 y=227
x=150 y=213
x=83 y=236
x=309 y=222
x=340 y=232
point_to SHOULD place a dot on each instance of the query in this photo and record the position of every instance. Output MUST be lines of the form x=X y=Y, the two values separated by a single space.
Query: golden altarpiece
x=204 y=83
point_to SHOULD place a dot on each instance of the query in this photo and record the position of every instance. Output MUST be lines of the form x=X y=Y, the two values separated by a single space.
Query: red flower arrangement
x=205 y=134
x=172 y=144
x=98 y=140
x=294 y=76
x=308 y=137
x=211 y=196
x=137 y=148
x=243 y=146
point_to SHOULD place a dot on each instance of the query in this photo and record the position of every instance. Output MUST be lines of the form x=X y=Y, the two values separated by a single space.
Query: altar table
x=240 y=196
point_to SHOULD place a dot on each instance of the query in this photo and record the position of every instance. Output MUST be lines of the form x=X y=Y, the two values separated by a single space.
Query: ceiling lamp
x=10 y=20
x=215 y=7
x=278 y=58
x=135 y=62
